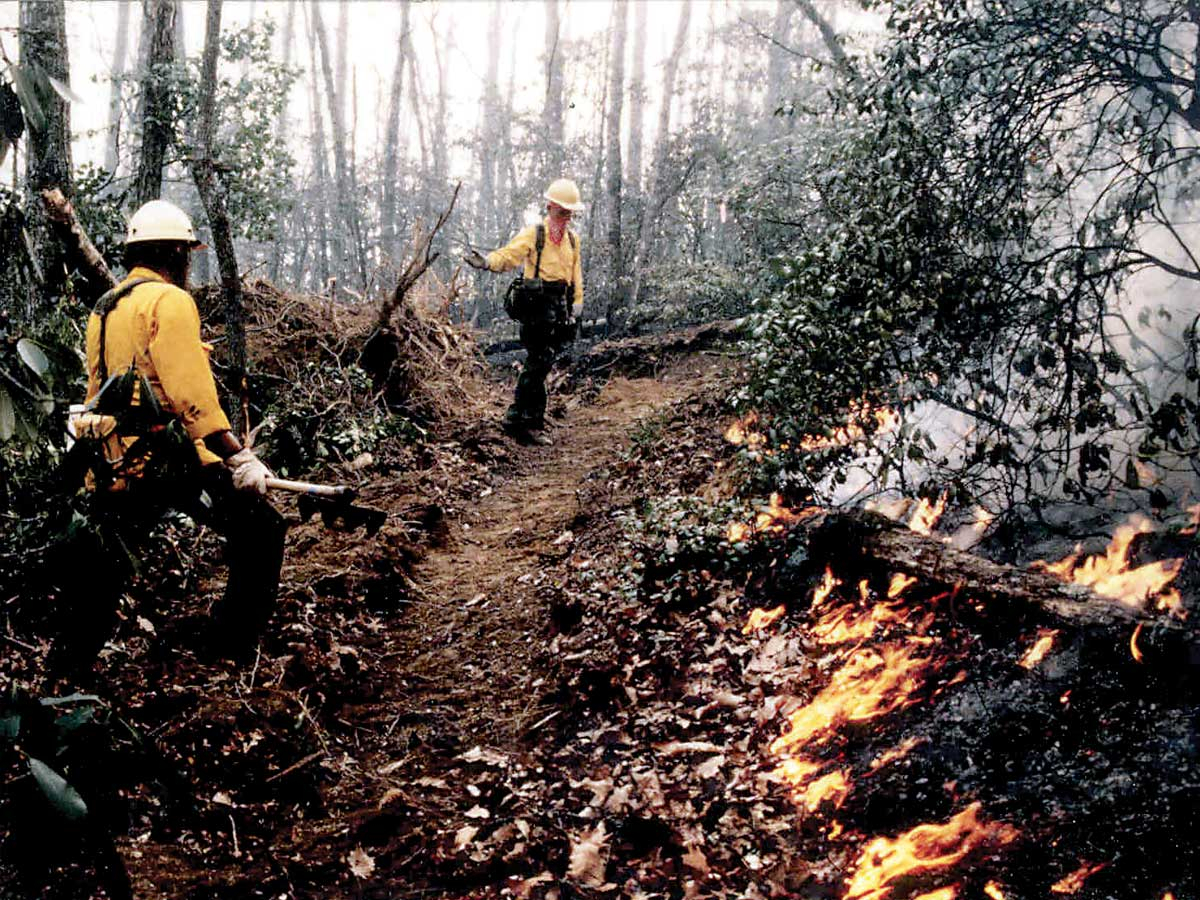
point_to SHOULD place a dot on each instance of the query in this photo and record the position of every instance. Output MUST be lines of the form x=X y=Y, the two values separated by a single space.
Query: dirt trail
x=466 y=648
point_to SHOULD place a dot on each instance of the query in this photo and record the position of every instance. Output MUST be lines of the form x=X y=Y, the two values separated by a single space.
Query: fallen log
x=871 y=540
x=641 y=356
x=97 y=278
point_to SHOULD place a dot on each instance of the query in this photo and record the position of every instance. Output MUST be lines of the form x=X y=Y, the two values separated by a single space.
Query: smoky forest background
x=980 y=213
x=956 y=242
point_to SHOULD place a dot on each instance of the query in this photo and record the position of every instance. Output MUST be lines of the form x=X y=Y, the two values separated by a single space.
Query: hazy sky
x=374 y=31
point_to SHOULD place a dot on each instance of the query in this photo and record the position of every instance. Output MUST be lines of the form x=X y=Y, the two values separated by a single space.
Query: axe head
x=340 y=514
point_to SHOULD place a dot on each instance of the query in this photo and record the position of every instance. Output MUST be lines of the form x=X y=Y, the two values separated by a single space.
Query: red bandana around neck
x=556 y=230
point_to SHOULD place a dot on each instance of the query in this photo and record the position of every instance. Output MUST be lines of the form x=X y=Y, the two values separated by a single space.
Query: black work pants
x=94 y=563
x=528 y=408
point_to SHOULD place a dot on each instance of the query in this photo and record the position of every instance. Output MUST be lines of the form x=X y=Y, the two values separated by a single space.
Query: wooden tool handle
x=337 y=491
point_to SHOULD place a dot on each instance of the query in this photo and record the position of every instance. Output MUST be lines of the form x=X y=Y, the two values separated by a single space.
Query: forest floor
x=346 y=733
x=553 y=674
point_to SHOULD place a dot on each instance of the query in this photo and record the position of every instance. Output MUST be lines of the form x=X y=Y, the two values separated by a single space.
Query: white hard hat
x=159 y=220
x=565 y=193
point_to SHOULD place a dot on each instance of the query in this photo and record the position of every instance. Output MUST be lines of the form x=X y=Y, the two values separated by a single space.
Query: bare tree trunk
x=612 y=186
x=662 y=144
x=112 y=147
x=417 y=102
x=488 y=229
x=281 y=133
x=212 y=193
x=347 y=209
x=441 y=49
x=777 y=59
x=391 y=141
x=506 y=209
x=488 y=114
x=43 y=43
x=598 y=171
x=320 y=167
x=637 y=121
x=637 y=103
x=552 y=107
x=829 y=36
x=158 y=56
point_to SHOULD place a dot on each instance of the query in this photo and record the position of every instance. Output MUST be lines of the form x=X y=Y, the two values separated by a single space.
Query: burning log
x=876 y=541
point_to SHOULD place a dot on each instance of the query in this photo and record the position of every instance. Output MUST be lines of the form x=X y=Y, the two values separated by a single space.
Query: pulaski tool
x=334 y=503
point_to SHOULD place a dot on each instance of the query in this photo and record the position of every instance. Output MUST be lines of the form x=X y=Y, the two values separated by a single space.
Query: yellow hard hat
x=565 y=193
x=159 y=220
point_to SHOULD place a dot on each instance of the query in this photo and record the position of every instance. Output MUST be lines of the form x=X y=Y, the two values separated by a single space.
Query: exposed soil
x=350 y=707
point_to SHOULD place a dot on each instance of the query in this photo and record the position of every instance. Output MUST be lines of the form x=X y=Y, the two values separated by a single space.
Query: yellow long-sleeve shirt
x=560 y=262
x=156 y=327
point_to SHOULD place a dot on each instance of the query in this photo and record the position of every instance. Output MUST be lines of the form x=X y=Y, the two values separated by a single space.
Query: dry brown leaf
x=389 y=795
x=464 y=836
x=588 y=857
x=361 y=863
x=695 y=860
x=675 y=748
x=524 y=890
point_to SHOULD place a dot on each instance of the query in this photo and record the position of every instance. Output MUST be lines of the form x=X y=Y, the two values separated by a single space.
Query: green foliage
x=682 y=291
x=99 y=201
x=303 y=430
x=253 y=162
x=961 y=230
x=56 y=752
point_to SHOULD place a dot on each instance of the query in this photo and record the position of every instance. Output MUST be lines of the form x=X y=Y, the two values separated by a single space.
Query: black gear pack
x=536 y=301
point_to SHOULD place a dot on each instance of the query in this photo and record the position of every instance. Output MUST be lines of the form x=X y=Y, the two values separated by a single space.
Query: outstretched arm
x=514 y=252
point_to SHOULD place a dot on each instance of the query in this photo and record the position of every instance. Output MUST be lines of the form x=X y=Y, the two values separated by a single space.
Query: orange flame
x=811 y=791
x=926 y=515
x=923 y=849
x=737 y=532
x=1145 y=473
x=843 y=624
x=825 y=588
x=860 y=414
x=896 y=753
x=1109 y=574
x=946 y=893
x=1170 y=602
x=993 y=891
x=1133 y=643
x=761 y=618
x=772 y=518
x=871 y=683
x=899 y=584
x=741 y=432
x=1195 y=512
x=1073 y=883
x=1041 y=647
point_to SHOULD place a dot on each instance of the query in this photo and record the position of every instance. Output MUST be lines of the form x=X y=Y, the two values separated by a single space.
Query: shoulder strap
x=106 y=304
x=571 y=236
x=540 y=244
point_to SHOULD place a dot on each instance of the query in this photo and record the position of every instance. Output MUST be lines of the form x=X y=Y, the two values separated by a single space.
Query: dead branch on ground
x=421 y=259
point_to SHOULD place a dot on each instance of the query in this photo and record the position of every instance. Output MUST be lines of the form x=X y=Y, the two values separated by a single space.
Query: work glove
x=249 y=472
x=473 y=259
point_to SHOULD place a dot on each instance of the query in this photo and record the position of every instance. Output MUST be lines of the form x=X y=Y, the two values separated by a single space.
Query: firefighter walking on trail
x=154 y=438
x=546 y=299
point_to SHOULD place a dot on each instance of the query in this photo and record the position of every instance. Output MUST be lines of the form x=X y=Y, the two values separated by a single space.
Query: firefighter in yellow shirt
x=166 y=444
x=547 y=299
